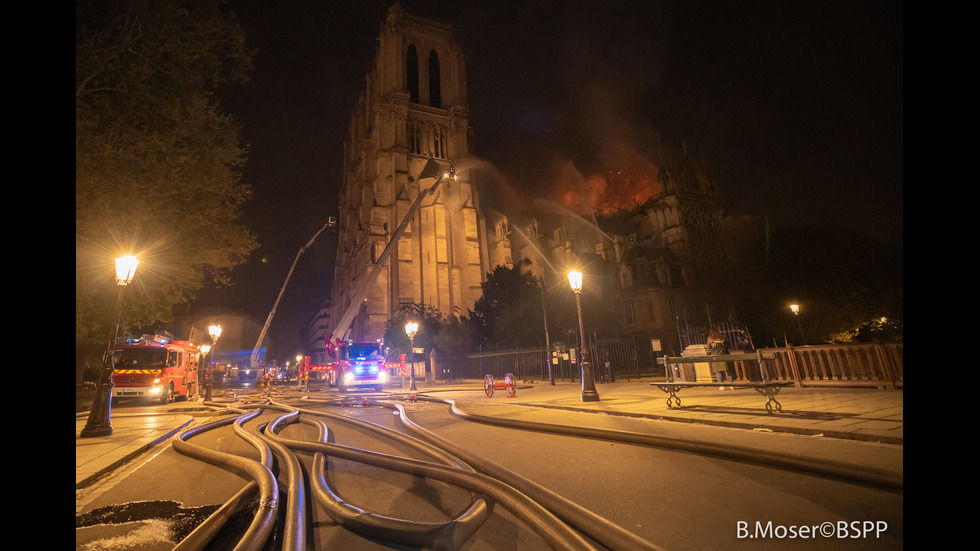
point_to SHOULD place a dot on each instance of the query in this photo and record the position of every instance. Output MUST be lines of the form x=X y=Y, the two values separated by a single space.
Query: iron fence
x=612 y=359
x=871 y=365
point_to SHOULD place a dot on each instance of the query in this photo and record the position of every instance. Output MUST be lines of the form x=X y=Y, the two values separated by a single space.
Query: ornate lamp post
x=796 y=313
x=589 y=393
x=99 y=420
x=410 y=329
x=215 y=332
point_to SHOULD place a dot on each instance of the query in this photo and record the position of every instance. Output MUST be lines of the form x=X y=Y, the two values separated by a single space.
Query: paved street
x=847 y=413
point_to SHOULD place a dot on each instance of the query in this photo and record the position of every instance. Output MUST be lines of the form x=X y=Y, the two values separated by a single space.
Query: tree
x=430 y=322
x=508 y=314
x=157 y=164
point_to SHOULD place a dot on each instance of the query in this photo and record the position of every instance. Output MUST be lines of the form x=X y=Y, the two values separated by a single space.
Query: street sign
x=418 y=350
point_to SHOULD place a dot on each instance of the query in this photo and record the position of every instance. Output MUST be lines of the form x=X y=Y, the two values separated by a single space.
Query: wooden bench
x=769 y=390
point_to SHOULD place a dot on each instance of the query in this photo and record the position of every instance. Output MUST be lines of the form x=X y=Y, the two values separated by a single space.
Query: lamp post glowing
x=589 y=393
x=215 y=332
x=99 y=420
x=410 y=329
x=796 y=313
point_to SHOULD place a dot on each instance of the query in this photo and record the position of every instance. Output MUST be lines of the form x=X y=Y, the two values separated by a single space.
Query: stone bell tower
x=413 y=111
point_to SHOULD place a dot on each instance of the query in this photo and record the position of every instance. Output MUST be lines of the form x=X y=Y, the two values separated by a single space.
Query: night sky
x=796 y=106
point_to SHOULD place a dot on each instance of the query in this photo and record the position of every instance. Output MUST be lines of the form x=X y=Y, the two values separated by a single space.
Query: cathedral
x=409 y=128
x=412 y=113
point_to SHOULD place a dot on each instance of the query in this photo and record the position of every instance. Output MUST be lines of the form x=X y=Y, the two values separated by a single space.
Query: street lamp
x=410 y=329
x=796 y=313
x=215 y=332
x=99 y=420
x=589 y=393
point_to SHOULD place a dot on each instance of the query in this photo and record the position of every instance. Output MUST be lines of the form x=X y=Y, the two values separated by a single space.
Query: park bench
x=767 y=388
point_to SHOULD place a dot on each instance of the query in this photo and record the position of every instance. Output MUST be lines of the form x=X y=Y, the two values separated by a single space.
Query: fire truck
x=366 y=371
x=156 y=368
x=361 y=364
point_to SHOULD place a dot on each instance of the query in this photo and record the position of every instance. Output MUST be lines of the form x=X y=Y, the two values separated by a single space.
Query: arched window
x=412 y=74
x=414 y=137
x=435 y=90
x=441 y=149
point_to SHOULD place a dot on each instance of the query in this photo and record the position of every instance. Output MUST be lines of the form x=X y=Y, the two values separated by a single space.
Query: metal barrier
x=873 y=365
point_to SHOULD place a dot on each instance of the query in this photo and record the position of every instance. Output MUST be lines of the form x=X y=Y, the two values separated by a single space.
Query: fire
x=630 y=184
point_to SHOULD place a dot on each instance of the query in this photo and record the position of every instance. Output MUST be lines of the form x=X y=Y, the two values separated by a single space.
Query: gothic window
x=629 y=316
x=704 y=231
x=412 y=74
x=415 y=138
x=435 y=89
x=441 y=147
x=532 y=231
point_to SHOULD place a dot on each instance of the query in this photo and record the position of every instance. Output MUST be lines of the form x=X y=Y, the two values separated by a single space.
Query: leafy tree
x=455 y=336
x=508 y=314
x=430 y=322
x=157 y=164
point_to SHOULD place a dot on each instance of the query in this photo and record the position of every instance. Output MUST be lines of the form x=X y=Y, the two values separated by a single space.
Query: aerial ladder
x=341 y=330
x=255 y=360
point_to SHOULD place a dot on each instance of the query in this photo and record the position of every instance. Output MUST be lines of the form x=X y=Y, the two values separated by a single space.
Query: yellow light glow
x=795 y=308
x=125 y=269
x=411 y=328
x=214 y=331
x=575 y=280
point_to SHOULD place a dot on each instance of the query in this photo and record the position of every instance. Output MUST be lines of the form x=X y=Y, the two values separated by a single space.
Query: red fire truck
x=361 y=364
x=156 y=367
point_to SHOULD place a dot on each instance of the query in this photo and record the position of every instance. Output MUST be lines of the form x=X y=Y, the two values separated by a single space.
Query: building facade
x=413 y=110
x=648 y=263
x=315 y=332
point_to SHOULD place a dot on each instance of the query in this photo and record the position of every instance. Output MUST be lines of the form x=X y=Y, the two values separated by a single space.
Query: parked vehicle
x=156 y=368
